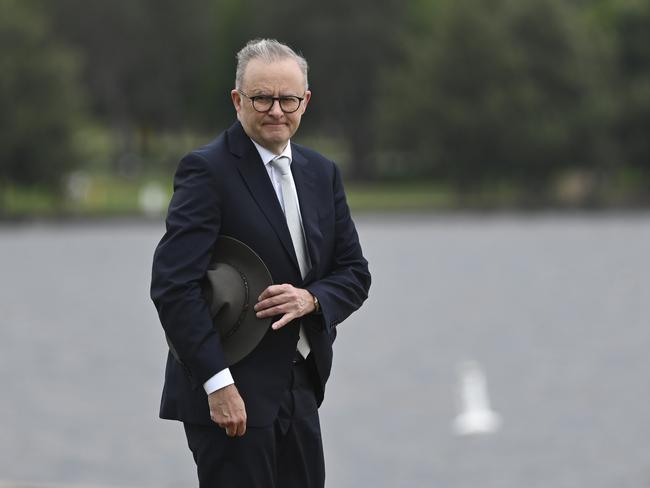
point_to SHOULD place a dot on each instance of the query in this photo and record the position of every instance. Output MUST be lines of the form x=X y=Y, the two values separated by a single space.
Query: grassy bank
x=99 y=196
x=103 y=196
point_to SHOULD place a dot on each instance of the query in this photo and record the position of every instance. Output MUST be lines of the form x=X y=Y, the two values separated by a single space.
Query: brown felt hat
x=236 y=276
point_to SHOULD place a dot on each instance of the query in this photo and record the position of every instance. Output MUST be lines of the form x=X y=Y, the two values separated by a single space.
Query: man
x=255 y=423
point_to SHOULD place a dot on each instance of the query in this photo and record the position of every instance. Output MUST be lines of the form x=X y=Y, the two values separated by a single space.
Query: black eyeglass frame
x=273 y=100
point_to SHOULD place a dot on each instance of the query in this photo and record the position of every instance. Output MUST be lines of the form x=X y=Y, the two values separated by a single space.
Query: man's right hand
x=227 y=410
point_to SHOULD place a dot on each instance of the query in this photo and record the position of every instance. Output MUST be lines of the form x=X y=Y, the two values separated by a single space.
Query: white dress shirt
x=223 y=378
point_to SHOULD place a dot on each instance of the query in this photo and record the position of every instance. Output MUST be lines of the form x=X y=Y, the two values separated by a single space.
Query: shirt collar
x=267 y=156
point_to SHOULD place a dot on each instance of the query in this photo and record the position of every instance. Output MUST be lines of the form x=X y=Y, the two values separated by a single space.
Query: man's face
x=274 y=128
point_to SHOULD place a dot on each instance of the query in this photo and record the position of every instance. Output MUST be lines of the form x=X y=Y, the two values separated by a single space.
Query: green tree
x=500 y=89
x=347 y=45
x=149 y=66
x=631 y=26
x=162 y=64
x=40 y=98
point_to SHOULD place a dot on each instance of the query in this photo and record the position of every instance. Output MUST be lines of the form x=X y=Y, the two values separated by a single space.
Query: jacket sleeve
x=179 y=265
x=345 y=287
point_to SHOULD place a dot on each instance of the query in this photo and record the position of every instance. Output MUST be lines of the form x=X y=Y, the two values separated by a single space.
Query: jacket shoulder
x=230 y=144
x=315 y=160
x=212 y=151
x=309 y=153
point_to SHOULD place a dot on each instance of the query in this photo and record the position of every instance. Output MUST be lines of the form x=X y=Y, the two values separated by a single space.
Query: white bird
x=476 y=417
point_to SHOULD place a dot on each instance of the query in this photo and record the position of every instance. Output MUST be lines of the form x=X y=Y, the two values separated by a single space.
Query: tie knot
x=282 y=164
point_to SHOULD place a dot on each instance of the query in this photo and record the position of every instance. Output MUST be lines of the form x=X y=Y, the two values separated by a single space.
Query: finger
x=220 y=421
x=241 y=428
x=269 y=291
x=273 y=311
x=270 y=302
x=278 y=304
x=272 y=291
x=217 y=419
x=286 y=318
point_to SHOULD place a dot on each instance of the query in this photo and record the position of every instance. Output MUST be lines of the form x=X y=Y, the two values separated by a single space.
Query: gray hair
x=269 y=51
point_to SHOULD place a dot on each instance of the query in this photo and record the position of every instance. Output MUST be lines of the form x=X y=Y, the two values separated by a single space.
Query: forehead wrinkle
x=271 y=89
x=273 y=93
x=273 y=78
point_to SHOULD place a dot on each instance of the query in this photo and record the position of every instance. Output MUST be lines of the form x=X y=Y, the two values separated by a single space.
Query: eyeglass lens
x=287 y=104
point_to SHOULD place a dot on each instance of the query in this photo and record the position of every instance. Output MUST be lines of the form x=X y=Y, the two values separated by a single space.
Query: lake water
x=555 y=309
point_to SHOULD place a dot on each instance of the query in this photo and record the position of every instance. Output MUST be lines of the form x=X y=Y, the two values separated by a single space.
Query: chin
x=276 y=130
x=277 y=137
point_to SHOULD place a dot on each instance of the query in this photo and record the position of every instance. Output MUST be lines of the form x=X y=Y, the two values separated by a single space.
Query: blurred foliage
x=513 y=102
x=41 y=98
x=505 y=88
x=347 y=45
x=631 y=26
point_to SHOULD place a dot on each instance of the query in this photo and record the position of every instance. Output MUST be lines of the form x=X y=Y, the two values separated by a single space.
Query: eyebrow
x=262 y=94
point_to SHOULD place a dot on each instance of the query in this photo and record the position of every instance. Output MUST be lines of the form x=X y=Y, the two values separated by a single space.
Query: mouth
x=275 y=125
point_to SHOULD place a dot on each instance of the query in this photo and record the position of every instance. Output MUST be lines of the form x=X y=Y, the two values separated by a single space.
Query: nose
x=275 y=109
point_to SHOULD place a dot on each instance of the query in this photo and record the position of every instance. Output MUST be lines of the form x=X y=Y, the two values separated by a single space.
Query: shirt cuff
x=220 y=380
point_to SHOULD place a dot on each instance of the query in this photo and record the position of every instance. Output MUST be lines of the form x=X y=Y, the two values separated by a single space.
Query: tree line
x=466 y=92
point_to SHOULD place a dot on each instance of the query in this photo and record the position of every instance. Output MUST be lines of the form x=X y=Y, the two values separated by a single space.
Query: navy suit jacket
x=224 y=189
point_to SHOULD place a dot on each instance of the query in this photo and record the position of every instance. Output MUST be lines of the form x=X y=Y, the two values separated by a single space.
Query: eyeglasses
x=264 y=103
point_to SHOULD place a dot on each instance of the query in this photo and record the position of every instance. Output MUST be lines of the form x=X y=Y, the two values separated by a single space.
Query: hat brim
x=250 y=331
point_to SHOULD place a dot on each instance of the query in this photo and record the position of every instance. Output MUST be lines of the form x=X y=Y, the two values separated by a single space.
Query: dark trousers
x=286 y=454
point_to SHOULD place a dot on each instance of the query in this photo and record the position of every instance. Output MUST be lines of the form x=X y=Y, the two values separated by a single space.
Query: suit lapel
x=305 y=181
x=257 y=180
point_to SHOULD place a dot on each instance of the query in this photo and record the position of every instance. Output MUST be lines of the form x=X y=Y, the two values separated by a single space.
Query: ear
x=306 y=101
x=236 y=99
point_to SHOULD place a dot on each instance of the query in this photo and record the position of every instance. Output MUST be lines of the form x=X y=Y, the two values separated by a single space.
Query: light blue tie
x=290 y=200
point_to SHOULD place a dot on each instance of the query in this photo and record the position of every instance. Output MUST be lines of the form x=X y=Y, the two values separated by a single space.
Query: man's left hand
x=285 y=300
